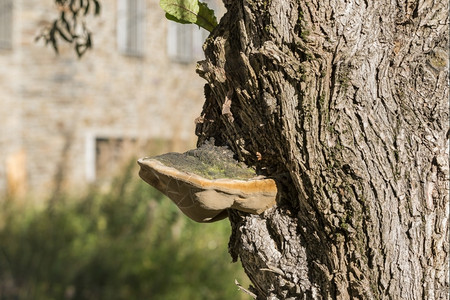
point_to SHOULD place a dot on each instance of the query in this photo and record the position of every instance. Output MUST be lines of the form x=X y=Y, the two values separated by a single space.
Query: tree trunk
x=345 y=105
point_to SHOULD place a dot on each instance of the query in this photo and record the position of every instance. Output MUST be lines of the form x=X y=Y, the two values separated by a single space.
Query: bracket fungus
x=206 y=181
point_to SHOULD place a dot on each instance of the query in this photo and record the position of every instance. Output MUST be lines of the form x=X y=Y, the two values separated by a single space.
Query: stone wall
x=53 y=107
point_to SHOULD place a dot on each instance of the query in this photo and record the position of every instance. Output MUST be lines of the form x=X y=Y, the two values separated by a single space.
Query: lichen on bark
x=208 y=161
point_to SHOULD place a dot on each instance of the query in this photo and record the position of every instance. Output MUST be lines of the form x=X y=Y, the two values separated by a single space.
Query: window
x=185 y=41
x=6 y=10
x=131 y=27
x=111 y=155
x=106 y=155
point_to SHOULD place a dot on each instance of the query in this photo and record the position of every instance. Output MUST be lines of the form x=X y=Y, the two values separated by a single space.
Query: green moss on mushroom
x=208 y=161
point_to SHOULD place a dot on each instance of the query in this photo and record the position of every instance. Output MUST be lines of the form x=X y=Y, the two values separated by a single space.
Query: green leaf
x=173 y=18
x=206 y=17
x=185 y=10
x=189 y=11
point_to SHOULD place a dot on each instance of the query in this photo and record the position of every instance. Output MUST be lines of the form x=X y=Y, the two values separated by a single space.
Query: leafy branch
x=70 y=26
x=189 y=12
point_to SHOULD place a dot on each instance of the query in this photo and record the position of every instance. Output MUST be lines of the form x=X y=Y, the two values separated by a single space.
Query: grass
x=127 y=243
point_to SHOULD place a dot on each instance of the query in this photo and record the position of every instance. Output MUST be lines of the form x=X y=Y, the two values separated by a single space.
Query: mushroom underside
x=207 y=200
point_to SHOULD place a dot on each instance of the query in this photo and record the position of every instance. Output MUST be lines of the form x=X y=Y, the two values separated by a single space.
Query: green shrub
x=128 y=243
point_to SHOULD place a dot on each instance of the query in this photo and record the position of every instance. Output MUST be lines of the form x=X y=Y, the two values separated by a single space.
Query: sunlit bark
x=345 y=104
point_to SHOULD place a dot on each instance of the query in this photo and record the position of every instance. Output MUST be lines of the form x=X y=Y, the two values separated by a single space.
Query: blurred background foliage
x=127 y=243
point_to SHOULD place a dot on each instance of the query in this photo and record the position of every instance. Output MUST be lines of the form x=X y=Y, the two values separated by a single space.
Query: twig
x=241 y=288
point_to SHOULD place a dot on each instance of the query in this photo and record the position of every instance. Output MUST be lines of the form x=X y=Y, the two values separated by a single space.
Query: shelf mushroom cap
x=205 y=198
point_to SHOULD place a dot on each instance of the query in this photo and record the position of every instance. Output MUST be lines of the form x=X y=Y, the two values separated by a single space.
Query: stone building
x=66 y=122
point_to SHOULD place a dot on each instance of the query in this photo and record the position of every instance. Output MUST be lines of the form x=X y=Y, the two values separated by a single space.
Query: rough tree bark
x=345 y=104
